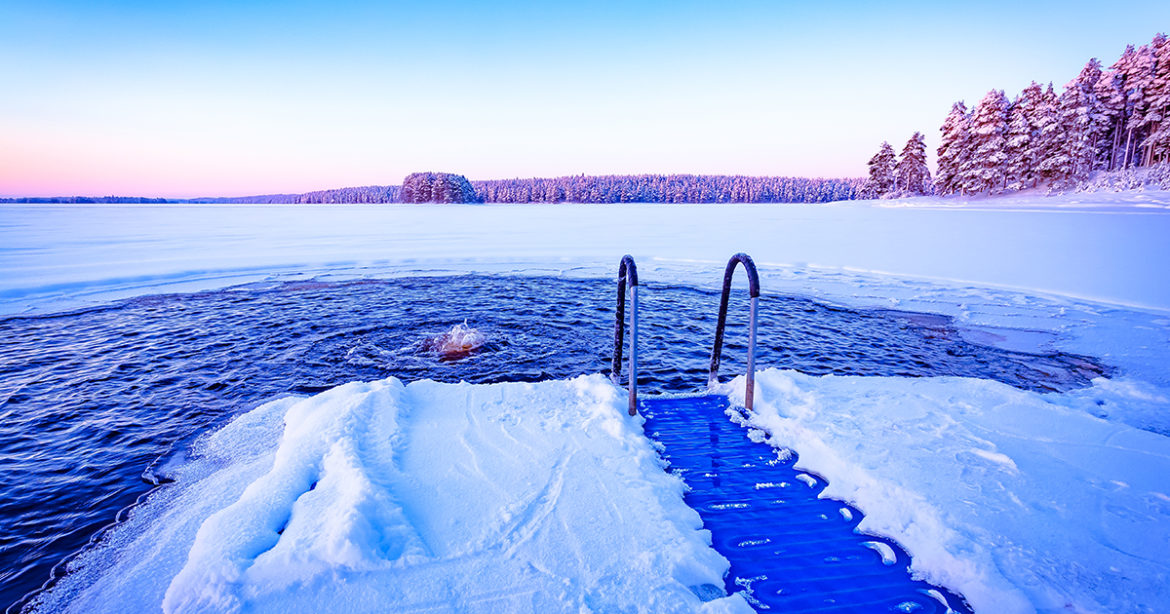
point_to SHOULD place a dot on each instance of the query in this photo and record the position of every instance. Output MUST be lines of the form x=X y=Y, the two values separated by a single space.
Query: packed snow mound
x=1020 y=501
x=426 y=497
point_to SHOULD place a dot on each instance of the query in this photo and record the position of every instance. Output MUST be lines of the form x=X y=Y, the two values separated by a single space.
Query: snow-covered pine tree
x=911 y=175
x=1140 y=84
x=1157 y=144
x=1082 y=121
x=881 y=173
x=1051 y=162
x=1104 y=119
x=1020 y=165
x=952 y=149
x=1114 y=93
x=984 y=171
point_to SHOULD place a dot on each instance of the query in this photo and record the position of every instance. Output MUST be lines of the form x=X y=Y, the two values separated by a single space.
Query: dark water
x=88 y=400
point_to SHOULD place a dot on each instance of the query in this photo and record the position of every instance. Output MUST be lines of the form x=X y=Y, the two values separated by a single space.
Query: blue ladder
x=790 y=550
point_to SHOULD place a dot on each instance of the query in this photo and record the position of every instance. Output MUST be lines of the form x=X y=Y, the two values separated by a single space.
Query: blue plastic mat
x=790 y=551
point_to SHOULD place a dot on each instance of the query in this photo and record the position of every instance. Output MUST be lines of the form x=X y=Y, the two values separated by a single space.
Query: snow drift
x=438 y=497
x=1009 y=497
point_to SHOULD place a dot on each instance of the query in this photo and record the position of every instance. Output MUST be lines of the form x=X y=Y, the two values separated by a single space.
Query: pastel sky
x=192 y=98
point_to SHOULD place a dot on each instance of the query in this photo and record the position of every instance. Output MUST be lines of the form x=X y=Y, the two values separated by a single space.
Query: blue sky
x=210 y=98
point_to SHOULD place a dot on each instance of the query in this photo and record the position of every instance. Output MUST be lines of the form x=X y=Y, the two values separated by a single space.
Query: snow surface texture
x=1007 y=496
x=428 y=497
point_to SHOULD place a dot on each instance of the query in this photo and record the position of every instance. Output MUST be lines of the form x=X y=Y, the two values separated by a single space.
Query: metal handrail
x=717 y=351
x=627 y=276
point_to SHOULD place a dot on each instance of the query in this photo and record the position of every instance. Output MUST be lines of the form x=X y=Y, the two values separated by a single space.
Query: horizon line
x=12 y=196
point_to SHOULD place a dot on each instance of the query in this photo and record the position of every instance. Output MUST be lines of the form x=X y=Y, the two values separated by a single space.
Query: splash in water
x=456 y=343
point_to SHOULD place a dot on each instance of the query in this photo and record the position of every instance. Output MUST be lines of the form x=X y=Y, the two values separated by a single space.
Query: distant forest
x=668 y=189
x=101 y=200
x=579 y=188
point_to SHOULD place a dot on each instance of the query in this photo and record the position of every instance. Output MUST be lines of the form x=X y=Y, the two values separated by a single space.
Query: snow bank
x=1131 y=200
x=1009 y=497
x=384 y=497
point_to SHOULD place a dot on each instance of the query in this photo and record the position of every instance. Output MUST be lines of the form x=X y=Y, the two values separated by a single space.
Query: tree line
x=1105 y=119
x=667 y=189
x=363 y=194
x=447 y=187
x=89 y=200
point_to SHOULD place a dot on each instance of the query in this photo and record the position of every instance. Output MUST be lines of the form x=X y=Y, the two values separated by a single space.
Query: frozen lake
x=1027 y=287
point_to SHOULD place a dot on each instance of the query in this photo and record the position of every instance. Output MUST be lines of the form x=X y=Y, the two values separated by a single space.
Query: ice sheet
x=55 y=255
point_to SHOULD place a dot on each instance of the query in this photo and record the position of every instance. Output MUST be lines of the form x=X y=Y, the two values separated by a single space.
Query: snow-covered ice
x=54 y=255
x=427 y=497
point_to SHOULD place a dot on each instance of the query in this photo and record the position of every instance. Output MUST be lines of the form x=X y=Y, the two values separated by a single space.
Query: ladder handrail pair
x=628 y=277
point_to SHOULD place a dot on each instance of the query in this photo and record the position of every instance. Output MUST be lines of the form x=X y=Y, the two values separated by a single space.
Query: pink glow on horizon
x=235 y=99
x=138 y=163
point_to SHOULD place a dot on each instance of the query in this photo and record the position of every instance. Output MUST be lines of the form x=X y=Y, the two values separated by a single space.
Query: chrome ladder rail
x=627 y=277
x=717 y=350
